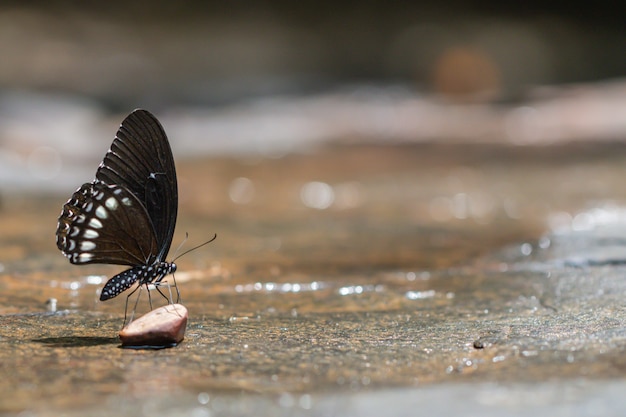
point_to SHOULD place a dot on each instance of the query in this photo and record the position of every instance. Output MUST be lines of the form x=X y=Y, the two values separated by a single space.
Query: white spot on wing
x=95 y=223
x=101 y=212
x=87 y=245
x=84 y=257
x=126 y=201
x=90 y=234
x=111 y=203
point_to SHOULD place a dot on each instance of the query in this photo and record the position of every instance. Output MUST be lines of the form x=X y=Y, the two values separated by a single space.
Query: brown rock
x=161 y=328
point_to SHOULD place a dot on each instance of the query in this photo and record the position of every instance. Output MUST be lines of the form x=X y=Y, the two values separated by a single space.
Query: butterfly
x=127 y=214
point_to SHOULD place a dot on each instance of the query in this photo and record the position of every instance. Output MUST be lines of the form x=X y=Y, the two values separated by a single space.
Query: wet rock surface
x=477 y=276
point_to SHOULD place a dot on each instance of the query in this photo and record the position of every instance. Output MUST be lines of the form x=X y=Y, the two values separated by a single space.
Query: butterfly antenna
x=180 y=246
x=196 y=247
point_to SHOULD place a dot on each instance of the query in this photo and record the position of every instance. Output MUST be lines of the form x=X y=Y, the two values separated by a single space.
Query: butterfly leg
x=158 y=286
x=177 y=291
x=132 y=314
x=159 y=282
x=149 y=295
x=170 y=299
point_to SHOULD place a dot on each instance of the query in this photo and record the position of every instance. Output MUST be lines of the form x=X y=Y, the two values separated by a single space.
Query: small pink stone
x=160 y=328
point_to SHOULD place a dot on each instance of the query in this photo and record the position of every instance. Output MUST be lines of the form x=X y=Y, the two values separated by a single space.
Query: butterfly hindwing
x=105 y=224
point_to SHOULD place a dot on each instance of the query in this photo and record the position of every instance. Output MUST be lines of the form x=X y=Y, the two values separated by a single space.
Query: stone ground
x=483 y=280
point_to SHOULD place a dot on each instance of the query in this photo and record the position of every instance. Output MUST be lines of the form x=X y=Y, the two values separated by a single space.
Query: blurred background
x=215 y=53
x=265 y=78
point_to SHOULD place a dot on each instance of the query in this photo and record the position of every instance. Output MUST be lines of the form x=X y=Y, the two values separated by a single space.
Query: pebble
x=160 y=328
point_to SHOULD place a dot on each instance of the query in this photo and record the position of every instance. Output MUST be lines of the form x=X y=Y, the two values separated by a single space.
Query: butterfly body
x=143 y=274
x=127 y=214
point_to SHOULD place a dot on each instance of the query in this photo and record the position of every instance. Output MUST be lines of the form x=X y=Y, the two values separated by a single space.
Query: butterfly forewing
x=140 y=160
x=105 y=224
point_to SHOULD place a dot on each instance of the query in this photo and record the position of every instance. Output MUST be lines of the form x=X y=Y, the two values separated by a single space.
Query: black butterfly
x=127 y=215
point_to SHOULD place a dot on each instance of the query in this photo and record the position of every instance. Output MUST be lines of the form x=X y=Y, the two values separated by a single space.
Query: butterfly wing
x=140 y=160
x=105 y=224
